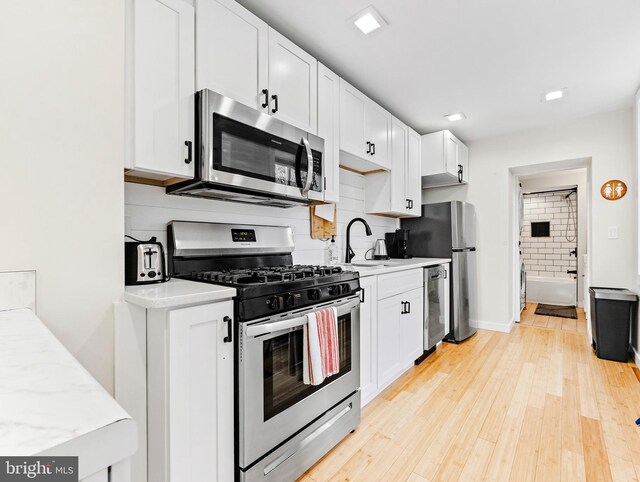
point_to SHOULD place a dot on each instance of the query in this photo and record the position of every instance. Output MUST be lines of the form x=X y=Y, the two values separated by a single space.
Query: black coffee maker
x=397 y=243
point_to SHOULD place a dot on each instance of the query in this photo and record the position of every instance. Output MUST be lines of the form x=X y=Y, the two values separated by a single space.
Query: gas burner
x=264 y=274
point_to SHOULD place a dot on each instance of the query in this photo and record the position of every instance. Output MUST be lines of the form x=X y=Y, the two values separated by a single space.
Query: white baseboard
x=636 y=356
x=493 y=326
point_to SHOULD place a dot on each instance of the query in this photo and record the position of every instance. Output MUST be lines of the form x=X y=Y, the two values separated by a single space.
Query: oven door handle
x=275 y=326
x=253 y=331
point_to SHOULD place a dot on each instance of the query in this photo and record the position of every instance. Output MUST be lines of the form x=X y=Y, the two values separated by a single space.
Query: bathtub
x=552 y=291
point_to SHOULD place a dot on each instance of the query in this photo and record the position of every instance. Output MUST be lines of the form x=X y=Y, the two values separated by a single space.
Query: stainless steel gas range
x=282 y=426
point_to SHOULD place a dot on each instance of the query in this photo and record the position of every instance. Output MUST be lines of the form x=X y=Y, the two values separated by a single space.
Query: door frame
x=514 y=232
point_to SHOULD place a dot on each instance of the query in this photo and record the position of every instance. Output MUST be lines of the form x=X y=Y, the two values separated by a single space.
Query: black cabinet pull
x=368 y=147
x=406 y=204
x=361 y=295
x=275 y=100
x=373 y=149
x=229 y=322
x=403 y=311
x=265 y=104
x=460 y=173
x=189 y=144
x=408 y=307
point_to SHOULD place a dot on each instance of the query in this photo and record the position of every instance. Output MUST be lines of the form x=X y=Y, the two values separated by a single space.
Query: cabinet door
x=163 y=86
x=399 y=198
x=378 y=131
x=451 y=145
x=329 y=129
x=412 y=327
x=232 y=51
x=293 y=83
x=368 y=338
x=352 y=133
x=463 y=161
x=413 y=180
x=390 y=360
x=200 y=397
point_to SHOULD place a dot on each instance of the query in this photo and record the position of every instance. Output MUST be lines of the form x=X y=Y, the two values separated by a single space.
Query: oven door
x=251 y=150
x=274 y=403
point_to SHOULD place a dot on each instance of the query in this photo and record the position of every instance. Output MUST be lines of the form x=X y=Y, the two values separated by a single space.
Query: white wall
x=148 y=210
x=605 y=138
x=61 y=202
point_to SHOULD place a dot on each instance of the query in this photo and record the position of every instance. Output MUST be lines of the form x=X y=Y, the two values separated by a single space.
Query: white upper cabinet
x=365 y=130
x=377 y=124
x=398 y=191
x=398 y=199
x=232 y=51
x=445 y=160
x=241 y=57
x=329 y=129
x=352 y=131
x=160 y=73
x=293 y=83
x=413 y=181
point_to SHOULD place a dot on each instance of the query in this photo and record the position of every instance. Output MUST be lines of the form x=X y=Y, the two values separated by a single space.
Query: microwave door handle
x=307 y=185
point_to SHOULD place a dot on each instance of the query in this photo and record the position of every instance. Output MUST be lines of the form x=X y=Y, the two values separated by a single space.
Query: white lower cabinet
x=400 y=337
x=391 y=328
x=368 y=338
x=174 y=375
x=200 y=393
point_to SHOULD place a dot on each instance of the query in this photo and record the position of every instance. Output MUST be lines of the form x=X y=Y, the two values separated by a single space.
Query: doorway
x=549 y=244
x=550 y=235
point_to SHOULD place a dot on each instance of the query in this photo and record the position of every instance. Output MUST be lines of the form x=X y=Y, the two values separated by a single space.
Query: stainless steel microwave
x=248 y=156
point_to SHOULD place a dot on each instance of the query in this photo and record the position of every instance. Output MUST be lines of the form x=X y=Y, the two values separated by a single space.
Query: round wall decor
x=613 y=190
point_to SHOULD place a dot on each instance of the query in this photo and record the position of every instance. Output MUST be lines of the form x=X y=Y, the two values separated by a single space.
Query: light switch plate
x=612 y=232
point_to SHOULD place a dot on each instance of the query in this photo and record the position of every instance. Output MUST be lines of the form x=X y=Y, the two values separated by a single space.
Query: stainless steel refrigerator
x=448 y=230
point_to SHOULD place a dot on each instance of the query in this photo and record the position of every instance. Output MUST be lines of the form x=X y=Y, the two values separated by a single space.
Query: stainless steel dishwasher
x=436 y=306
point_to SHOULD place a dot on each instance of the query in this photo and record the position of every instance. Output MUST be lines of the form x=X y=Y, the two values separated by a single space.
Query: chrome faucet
x=349 y=252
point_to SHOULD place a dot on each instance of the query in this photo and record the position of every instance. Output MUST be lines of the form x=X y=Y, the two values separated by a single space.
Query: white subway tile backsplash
x=150 y=209
x=548 y=256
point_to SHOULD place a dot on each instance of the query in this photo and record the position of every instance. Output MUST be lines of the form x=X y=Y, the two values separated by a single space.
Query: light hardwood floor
x=535 y=404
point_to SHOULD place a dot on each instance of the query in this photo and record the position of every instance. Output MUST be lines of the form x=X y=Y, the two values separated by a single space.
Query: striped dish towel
x=321 y=356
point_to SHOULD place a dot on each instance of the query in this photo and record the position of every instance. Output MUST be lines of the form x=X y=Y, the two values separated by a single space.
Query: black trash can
x=611 y=312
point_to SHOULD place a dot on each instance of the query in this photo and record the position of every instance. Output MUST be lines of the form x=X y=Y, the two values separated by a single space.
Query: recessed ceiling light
x=455 y=117
x=554 y=95
x=368 y=20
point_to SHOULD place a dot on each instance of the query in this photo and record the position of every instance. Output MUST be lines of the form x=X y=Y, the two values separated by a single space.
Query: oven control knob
x=275 y=303
x=289 y=300
x=314 y=294
x=346 y=289
x=335 y=290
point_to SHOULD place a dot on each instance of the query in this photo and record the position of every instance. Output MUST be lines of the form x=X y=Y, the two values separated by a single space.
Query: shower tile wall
x=548 y=256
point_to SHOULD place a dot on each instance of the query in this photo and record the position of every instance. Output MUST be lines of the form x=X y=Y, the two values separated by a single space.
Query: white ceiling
x=491 y=59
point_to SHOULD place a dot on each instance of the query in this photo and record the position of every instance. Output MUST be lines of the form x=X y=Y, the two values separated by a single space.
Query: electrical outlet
x=612 y=232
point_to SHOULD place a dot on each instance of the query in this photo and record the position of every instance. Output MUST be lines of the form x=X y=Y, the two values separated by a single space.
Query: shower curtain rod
x=572 y=189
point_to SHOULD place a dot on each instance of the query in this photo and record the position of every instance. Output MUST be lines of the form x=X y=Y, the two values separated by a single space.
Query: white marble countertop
x=48 y=400
x=392 y=265
x=176 y=292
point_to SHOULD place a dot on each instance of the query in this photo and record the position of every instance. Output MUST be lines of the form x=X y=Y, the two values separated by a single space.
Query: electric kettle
x=380 y=250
